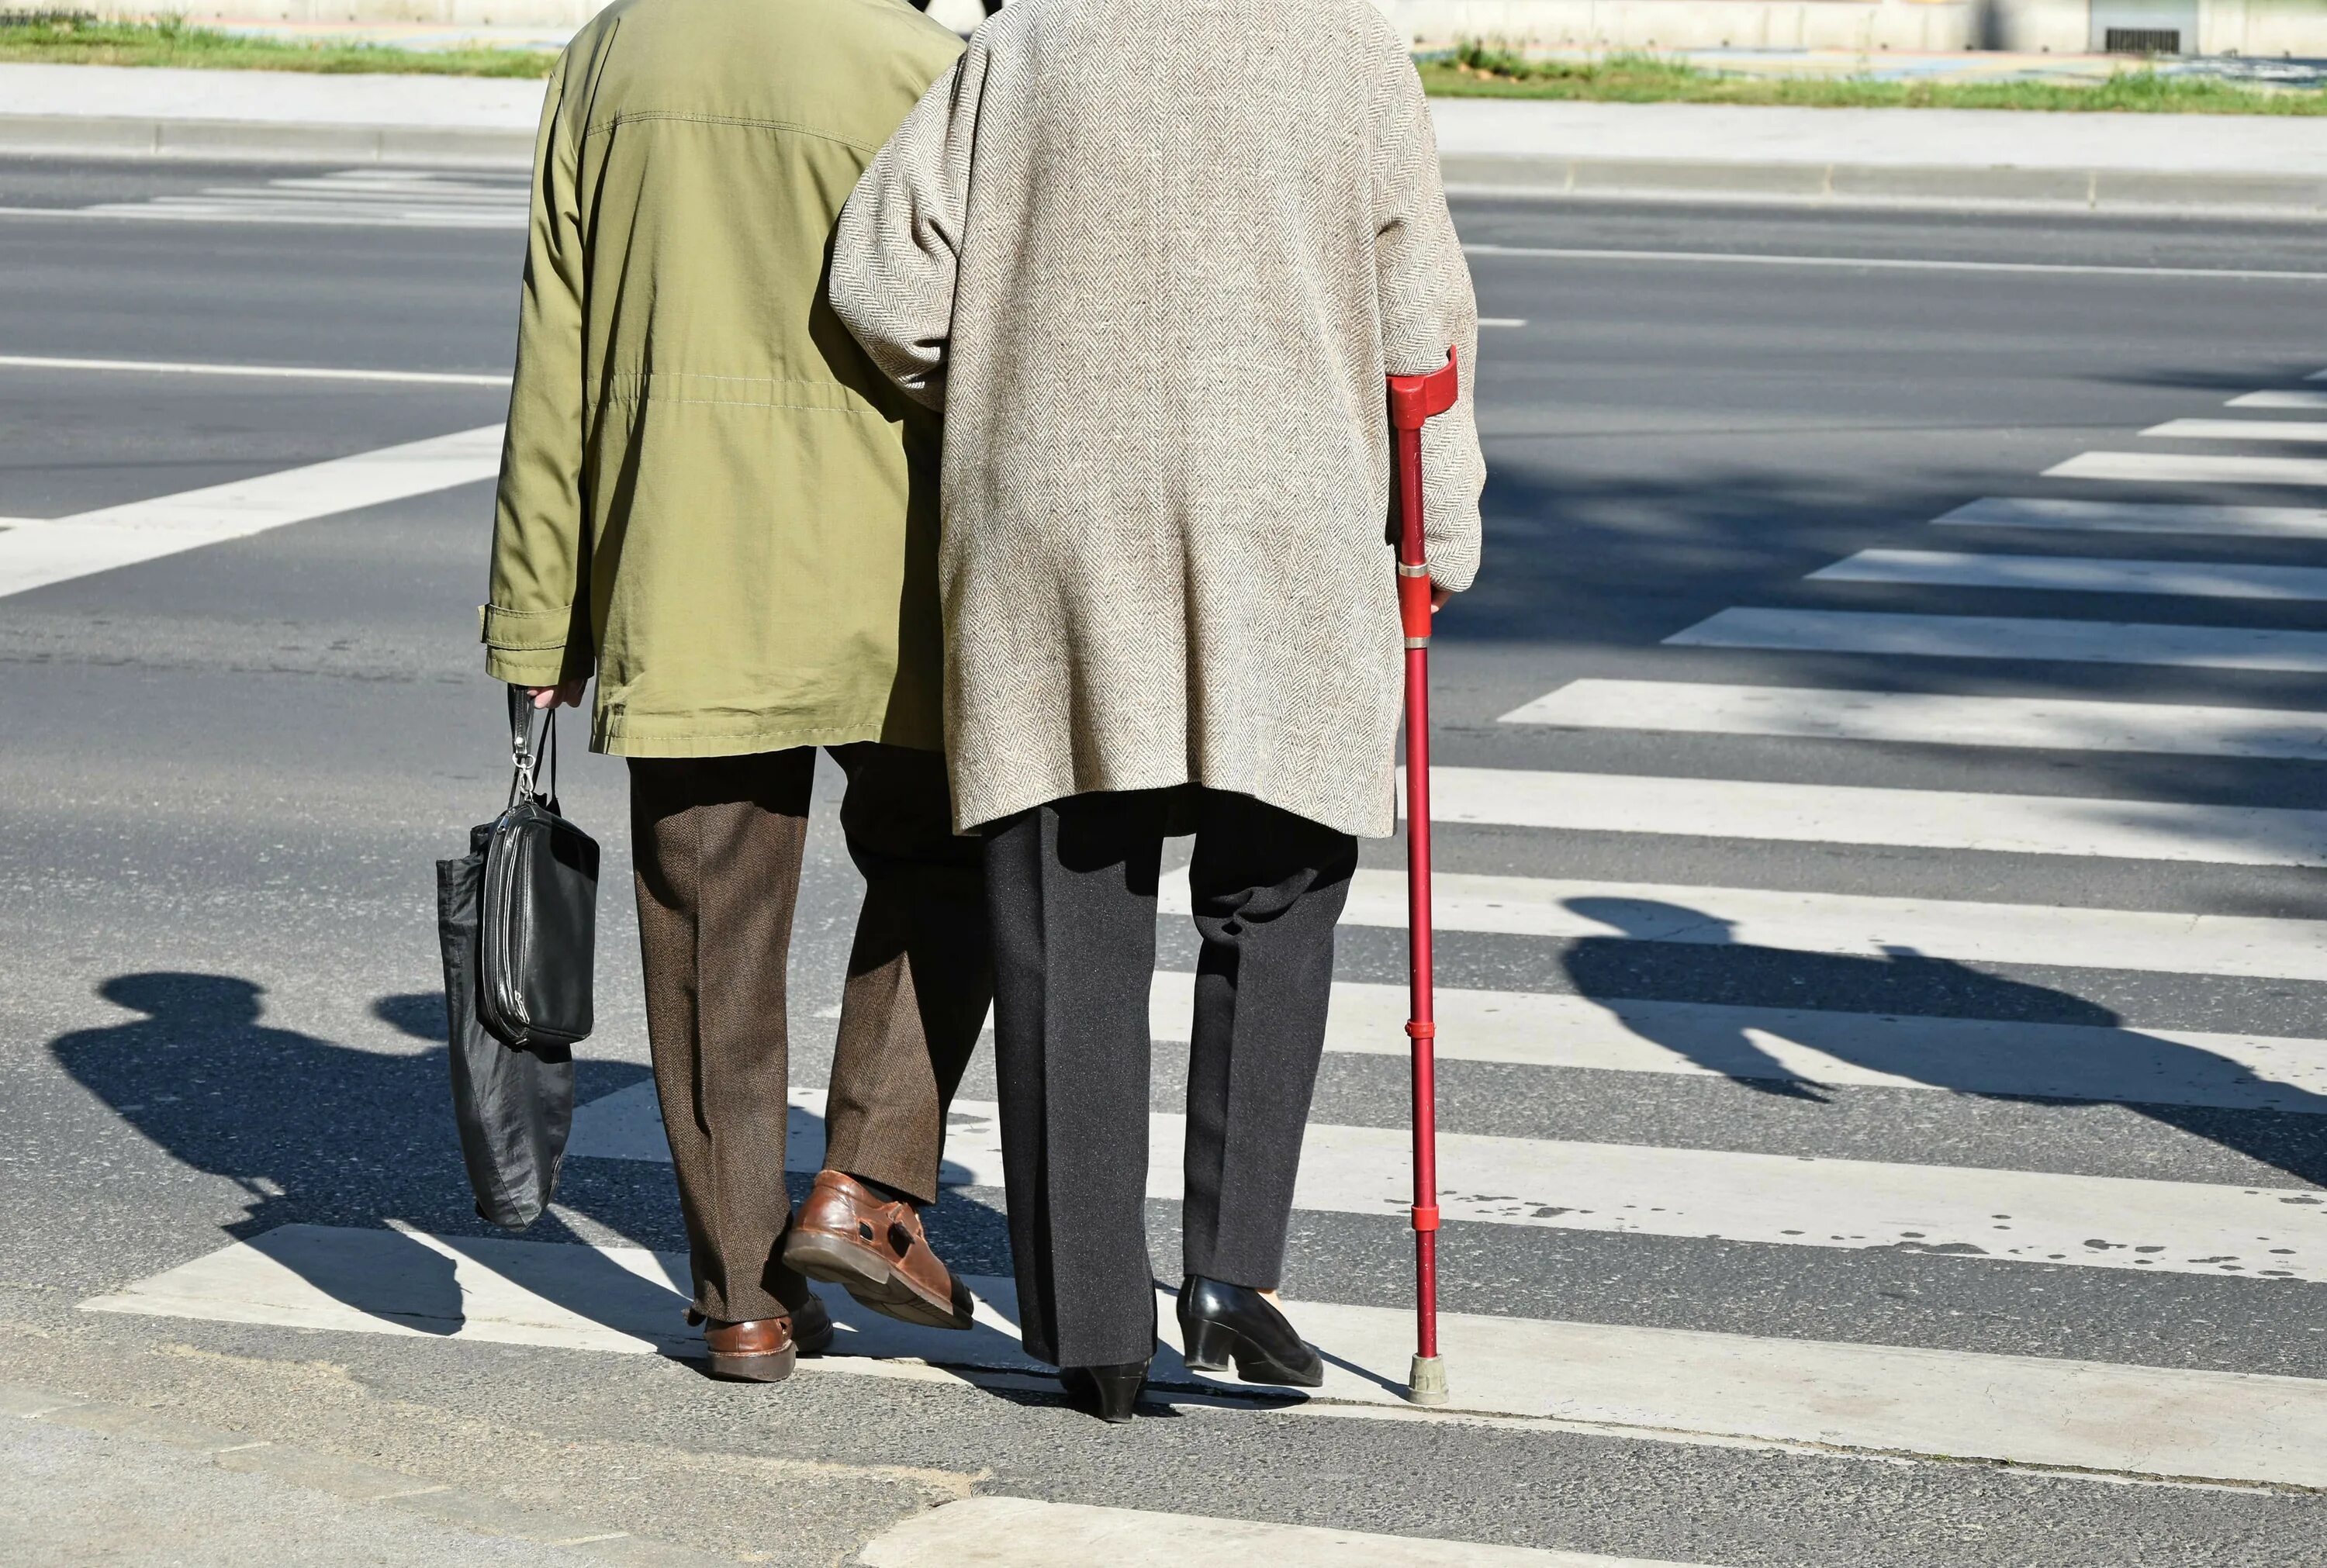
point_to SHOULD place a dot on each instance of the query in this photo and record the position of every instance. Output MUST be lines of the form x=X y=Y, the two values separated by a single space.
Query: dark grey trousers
x=1071 y=887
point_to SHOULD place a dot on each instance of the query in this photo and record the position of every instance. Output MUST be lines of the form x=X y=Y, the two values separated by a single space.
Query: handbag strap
x=528 y=753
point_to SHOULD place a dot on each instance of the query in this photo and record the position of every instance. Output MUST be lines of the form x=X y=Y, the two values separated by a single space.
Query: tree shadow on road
x=2097 y=1060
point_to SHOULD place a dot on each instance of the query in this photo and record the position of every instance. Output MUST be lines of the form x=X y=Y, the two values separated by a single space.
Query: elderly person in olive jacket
x=1153 y=262
x=712 y=500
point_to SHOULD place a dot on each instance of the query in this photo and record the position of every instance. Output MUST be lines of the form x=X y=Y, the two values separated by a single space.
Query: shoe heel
x=1211 y=1347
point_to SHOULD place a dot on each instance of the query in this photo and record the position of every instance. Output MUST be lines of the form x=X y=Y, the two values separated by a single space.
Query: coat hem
x=979 y=810
x=615 y=739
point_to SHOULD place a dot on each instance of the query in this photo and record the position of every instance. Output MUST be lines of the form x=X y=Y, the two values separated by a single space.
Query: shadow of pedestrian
x=2082 y=1055
x=311 y=1132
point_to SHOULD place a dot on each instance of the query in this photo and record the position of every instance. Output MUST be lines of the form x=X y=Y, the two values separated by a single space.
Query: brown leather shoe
x=874 y=1249
x=765 y=1349
x=755 y=1350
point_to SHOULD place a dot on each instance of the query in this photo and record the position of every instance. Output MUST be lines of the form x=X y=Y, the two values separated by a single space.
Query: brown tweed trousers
x=718 y=842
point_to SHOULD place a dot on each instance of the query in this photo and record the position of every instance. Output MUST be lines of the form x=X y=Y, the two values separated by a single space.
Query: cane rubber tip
x=1426 y=1384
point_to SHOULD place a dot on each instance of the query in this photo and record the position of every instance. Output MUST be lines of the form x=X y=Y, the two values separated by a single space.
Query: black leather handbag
x=518 y=919
x=540 y=904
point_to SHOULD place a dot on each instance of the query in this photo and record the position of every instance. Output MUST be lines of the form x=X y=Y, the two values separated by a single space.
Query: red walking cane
x=1413 y=400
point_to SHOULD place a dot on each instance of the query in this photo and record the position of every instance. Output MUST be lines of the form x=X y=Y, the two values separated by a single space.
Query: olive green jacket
x=708 y=495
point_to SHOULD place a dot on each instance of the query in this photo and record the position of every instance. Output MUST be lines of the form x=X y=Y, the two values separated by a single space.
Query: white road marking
x=1929 y=719
x=2139 y=517
x=287 y=372
x=2301 y=430
x=1904 y=818
x=36 y=553
x=1857 y=925
x=998 y=1532
x=1893 y=263
x=2278 y=399
x=2180 y=468
x=1631 y=1189
x=395 y=198
x=2078 y=575
x=2009 y=637
x=1974 y=1056
x=1502 y=321
x=1666 y=1385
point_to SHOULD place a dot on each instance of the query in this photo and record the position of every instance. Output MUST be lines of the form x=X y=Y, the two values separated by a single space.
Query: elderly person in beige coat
x=1153 y=262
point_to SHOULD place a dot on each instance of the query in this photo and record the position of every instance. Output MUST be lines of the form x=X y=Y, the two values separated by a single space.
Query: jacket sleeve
x=1426 y=308
x=897 y=249
x=537 y=625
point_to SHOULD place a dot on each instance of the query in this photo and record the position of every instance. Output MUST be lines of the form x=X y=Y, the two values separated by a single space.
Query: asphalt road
x=225 y=771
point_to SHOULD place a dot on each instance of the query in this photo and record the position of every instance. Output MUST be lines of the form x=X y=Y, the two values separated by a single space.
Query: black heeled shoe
x=1220 y=1323
x=1109 y=1392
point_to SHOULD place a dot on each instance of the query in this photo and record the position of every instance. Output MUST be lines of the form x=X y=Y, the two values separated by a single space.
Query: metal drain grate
x=2141 y=41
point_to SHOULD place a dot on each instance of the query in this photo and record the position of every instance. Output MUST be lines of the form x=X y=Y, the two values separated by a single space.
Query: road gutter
x=2130 y=190
x=1887 y=184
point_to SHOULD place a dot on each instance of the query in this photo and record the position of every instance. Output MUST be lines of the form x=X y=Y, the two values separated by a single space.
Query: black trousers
x=1071 y=887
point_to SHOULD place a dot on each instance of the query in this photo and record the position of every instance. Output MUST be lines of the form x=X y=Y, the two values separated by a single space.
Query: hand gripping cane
x=1413 y=400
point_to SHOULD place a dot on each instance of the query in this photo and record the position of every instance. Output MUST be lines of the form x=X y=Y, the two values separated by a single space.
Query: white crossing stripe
x=2074 y=1061
x=997 y=1532
x=2177 y=468
x=398 y=198
x=34 y=554
x=1929 y=719
x=2078 y=575
x=2279 y=398
x=2009 y=637
x=1778 y=1200
x=281 y=372
x=1892 y=263
x=2139 y=517
x=1502 y=321
x=2312 y=431
x=1904 y=818
x=1670 y=1385
x=1858 y=925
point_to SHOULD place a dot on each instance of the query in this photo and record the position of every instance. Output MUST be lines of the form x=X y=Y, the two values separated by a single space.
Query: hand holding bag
x=517 y=920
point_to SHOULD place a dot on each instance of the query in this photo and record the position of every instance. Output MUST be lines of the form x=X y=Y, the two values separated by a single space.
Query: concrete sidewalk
x=1971 y=156
x=2184 y=162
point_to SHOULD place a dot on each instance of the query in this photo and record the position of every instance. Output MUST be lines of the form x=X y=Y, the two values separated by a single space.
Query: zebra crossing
x=366 y=198
x=1971 y=687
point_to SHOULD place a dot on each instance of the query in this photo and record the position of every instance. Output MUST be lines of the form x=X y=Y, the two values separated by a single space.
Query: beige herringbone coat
x=1154 y=260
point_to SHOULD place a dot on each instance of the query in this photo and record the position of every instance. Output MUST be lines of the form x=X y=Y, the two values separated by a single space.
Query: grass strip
x=66 y=40
x=1481 y=71
x=1473 y=69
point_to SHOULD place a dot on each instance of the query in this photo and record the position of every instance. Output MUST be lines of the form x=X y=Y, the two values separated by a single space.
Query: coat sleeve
x=536 y=626
x=897 y=249
x=1426 y=308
